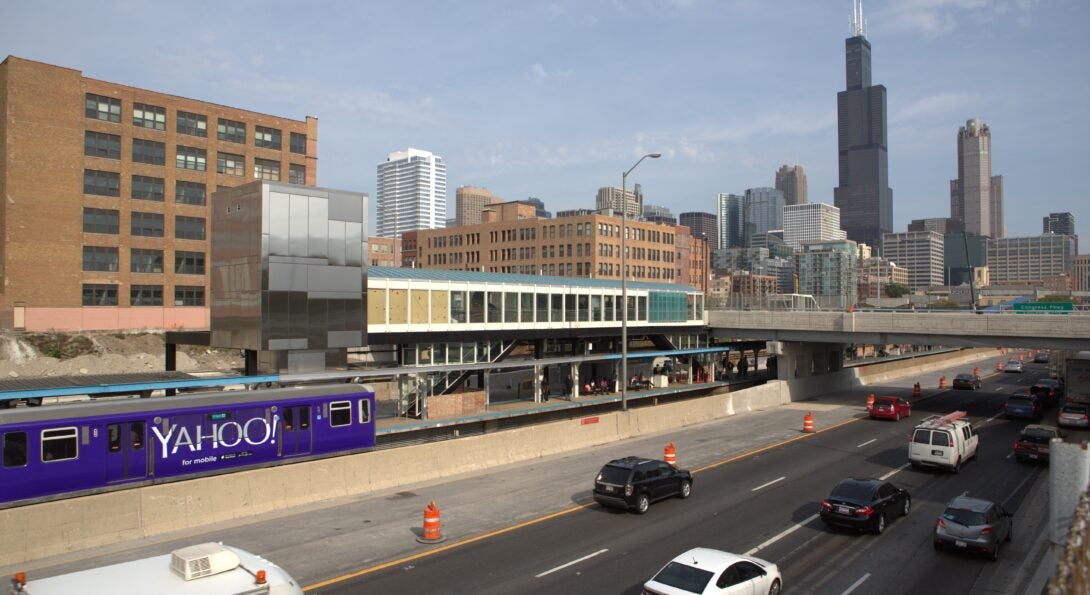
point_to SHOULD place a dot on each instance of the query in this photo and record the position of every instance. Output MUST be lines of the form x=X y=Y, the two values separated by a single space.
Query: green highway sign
x=1044 y=307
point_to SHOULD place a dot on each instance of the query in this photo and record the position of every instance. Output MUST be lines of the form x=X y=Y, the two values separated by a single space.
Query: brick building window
x=101 y=221
x=188 y=295
x=192 y=124
x=103 y=108
x=230 y=164
x=149 y=151
x=149 y=116
x=147 y=224
x=190 y=158
x=189 y=228
x=265 y=169
x=100 y=258
x=268 y=138
x=144 y=260
x=298 y=143
x=230 y=130
x=189 y=263
x=102 y=183
x=147 y=188
x=100 y=144
x=189 y=193
x=297 y=174
x=146 y=295
x=99 y=295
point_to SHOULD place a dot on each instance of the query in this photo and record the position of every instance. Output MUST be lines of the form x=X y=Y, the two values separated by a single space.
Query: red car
x=890 y=408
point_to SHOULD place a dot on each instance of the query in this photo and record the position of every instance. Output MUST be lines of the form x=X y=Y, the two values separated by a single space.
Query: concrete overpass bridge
x=964 y=329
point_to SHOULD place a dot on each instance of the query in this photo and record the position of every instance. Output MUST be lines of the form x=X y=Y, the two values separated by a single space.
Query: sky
x=556 y=99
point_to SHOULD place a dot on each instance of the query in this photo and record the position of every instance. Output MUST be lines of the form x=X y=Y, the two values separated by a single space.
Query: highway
x=765 y=502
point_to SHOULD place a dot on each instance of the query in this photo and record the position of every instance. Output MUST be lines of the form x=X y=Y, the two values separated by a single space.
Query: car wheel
x=686 y=489
x=994 y=555
x=775 y=588
x=957 y=466
x=1010 y=534
x=907 y=507
x=938 y=545
x=642 y=504
x=880 y=526
x=896 y=417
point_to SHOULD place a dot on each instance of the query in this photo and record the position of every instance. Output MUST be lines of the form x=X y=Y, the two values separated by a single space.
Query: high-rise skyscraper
x=763 y=212
x=1063 y=223
x=702 y=225
x=610 y=198
x=811 y=222
x=791 y=180
x=411 y=193
x=730 y=220
x=976 y=196
x=864 y=197
x=470 y=202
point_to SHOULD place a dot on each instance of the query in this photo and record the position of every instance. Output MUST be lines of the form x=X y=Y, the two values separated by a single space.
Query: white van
x=943 y=441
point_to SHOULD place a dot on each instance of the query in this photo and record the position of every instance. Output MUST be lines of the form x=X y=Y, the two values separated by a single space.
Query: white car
x=704 y=570
x=1014 y=366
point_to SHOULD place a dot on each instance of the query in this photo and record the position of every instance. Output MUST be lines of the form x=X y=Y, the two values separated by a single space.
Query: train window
x=113 y=437
x=60 y=444
x=289 y=419
x=365 y=411
x=136 y=432
x=304 y=417
x=15 y=449
x=340 y=413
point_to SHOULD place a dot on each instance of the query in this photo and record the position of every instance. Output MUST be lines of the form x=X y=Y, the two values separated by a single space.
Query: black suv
x=634 y=483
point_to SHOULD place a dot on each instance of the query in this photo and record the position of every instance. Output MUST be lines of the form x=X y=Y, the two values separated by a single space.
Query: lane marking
x=994 y=417
x=856 y=584
x=1031 y=475
x=866 y=443
x=998 y=388
x=768 y=484
x=895 y=472
x=783 y=534
x=1010 y=455
x=572 y=563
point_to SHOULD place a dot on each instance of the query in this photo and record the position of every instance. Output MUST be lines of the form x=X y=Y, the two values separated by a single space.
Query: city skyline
x=534 y=120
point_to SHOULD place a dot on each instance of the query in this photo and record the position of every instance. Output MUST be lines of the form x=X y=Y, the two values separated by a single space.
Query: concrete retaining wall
x=41 y=530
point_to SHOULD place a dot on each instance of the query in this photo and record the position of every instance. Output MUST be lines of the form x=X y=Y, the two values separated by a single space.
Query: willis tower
x=864 y=197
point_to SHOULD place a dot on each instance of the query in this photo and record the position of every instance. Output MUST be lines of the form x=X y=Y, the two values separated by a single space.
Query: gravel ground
x=112 y=353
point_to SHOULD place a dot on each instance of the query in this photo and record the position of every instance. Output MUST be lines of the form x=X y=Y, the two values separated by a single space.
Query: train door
x=126 y=451
x=295 y=437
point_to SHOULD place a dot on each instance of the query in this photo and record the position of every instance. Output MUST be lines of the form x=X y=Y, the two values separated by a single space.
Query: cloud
x=539 y=73
x=933 y=106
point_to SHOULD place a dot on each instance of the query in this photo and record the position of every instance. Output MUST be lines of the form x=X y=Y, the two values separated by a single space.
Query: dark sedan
x=1048 y=390
x=966 y=382
x=864 y=503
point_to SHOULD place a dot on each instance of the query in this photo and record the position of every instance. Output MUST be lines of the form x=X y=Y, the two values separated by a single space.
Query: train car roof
x=122 y=405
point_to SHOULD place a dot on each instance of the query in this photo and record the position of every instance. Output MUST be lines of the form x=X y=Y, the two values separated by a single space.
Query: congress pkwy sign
x=1044 y=308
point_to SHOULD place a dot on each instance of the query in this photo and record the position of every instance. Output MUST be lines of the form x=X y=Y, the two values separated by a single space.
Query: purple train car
x=62 y=450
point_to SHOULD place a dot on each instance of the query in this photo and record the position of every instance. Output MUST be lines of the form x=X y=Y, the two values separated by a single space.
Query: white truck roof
x=214 y=569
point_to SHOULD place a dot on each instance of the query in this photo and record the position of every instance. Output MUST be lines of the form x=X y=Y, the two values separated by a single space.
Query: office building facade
x=828 y=271
x=730 y=220
x=976 y=196
x=939 y=224
x=631 y=204
x=1080 y=272
x=763 y=212
x=811 y=222
x=702 y=225
x=919 y=252
x=1030 y=259
x=791 y=180
x=108 y=191
x=863 y=195
x=876 y=274
x=470 y=202
x=963 y=253
x=411 y=193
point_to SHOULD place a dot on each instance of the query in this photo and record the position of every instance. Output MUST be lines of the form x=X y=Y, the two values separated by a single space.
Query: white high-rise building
x=811 y=222
x=411 y=193
x=921 y=252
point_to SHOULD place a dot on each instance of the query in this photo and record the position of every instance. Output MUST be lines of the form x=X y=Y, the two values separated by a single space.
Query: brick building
x=105 y=222
x=512 y=239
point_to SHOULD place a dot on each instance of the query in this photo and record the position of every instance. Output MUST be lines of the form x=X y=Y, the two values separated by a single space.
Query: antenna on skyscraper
x=859 y=25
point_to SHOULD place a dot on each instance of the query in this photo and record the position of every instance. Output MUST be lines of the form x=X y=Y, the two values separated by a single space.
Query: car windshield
x=1037 y=436
x=611 y=474
x=965 y=517
x=1074 y=409
x=1019 y=401
x=964 y=377
x=684 y=577
x=853 y=490
x=884 y=402
x=1047 y=382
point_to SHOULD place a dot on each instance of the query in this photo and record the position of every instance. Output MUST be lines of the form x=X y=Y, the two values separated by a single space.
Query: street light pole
x=624 y=279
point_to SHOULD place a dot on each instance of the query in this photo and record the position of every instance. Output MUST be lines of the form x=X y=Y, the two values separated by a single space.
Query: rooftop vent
x=202 y=560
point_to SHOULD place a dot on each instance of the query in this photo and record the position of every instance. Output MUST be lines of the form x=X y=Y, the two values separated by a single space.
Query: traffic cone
x=432 y=533
x=1021 y=357
x=942 y=383
x=669 y=454
x=808 y=423
x=916 y=390
x=999 y=366
x=870 y=401
x=976 y=371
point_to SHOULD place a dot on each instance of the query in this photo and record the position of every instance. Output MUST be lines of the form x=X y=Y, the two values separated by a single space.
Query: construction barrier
x=808 y=423
x=916 y=390
x=870 y=401
x=669 y=454
x=432 y=533
x=942 y=383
